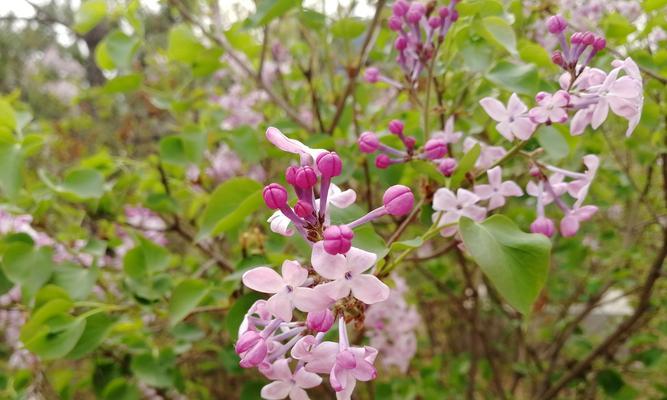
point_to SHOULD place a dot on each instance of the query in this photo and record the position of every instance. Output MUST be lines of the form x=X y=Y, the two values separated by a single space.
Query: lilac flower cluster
x=293 y=353
x=420 y=30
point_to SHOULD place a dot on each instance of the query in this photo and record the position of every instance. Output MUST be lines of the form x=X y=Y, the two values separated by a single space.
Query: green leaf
x=268 y=10
x=517 y=78
x=76 y=280
x=121 y=48
x=123 y=84
x=184 y=149
x=500 y=32
x=348 y=28
x=616 y=26
x=27 y=266
x=515 y=262
x=367 y=239
x=151 y=370
x=552 y=142
x=407 y=244
x=610 y=380
x=237 y=312
x=534 y=53
x=56 y=336
x=652 y=5
x=11 y=165
x=7 y=117
x=83 y=183
x=97 y=328
x=185 y=298
x=183 y=45
x=91 y=13
x=121 y=389
x=102 y=57
x=229 y=205
x=466 y=164
x=144 y=259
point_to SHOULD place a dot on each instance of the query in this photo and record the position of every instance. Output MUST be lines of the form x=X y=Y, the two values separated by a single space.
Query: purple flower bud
x=415 y=12
x=305 y=177
x=535 y=171
x=255 y=355
x=337 y=239
x=382 y=161
x=544 y=226
x=395 y=24
x=435 y=148
x=588 y=38
x=368 y=142
x=454 y=16
x=576 y=38
x=320 y=321
x=540 y=96
x=290 y=175
x=401 y=43
x=569 y=226
x=410 y=142
x=371 y=75
x=556 y=24
x=398 y=200
x=434 y=22
x=329 y=164
x=396 y=127
x=303 y=209
x=557 y=58
x=599 y=44
x=275 y=196
x=246 y=341
x=444 y=12
x=400 y=7
x=448 y=166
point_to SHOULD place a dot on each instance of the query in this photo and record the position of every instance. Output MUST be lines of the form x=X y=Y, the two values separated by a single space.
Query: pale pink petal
x=580 y=121
x=298 y=394
x=280 y=224
x=310 y=299
x=280 y=305
x=515 y=106
x=495 y=175
x=600 y=113
x=494 y=108
x=539 y=114
x=263 y=279
x=533 y=189
x=626 y=87
x=293 y=273
x=327 y=265
x=483 y=191
x=632 y=124
x=449 y=126
x=306 y=379
x=477 y=213
x=302 y=350
x=322 y=358
x=364 y=371
x=342 y=199
x=346 y=393
x=444 y=199
x=359 y=260
x=496 y=201
x=510 y=188
x=466 y=197
x=276 y=390
x=626 y=108
x=560 y=99
x=558 y=115
x=585 y=213
x=284 y=143
x=339 y=378
x=280 y=370
x=447 y=218
x=337 y=289
x=523 y=128
x=505 y=129
x=592 y=162
x=369 y=289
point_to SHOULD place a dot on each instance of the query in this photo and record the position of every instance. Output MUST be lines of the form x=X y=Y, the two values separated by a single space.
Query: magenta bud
x=556 y=24
x=275 y=196
x=444 y=12
x=371 y=75
x=569 y=226
x=401 y=43
x=543 y=225
x=557 y=58
x=435 y=148
x=535 y=171
x=337 y=239
x=588 y=38
x=246 y=341
x=540 y=96
x=409 y=142
x=382 y=161
x=329 y=164
x=415 y=12
x=398 y=200
x=255 y=355
x=400 y=7
x=447 y=166
x=290 y=175
x=434 y=22
x=305 y=177
x=320 y=321
x=599 y=44
x=576 y=38
x=396 y=127
x=395 y=23
x=368 y=142
x=303 y=209
x=454 y=16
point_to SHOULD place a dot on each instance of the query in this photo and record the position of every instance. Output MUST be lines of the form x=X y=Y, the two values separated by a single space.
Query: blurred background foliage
x=132 y=135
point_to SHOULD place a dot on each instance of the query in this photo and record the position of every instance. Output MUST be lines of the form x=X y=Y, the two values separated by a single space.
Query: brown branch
x=354 y=73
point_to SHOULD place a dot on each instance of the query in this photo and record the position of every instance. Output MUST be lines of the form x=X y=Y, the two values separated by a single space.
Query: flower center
x=348 y=275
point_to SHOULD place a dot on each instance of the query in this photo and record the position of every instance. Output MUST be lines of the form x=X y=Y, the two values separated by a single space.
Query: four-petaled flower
x=497 y=190
x=450 y=208
x=287 y=383
x=550 y=108
x=513 y=120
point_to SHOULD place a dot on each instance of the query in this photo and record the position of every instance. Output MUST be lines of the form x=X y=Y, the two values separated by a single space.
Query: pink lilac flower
x=448 y=134
x=450 y=207
x=287 y=384
x=513 y=121
x=550 y=107
x=390 y=327
x=149 y=223
x=240 y=107
x=346 y=273
x=496 y=190
x=488 y=154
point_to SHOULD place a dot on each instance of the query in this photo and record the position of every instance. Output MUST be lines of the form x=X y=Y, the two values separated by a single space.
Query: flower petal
x=466 y=197
x=276 y=390
x=341 y=199
x=515 y=106
x=444 y=199
x=293 y=273
x=494 y=108
x=306 y=379
x=510 y=188
x=327 y=265
x=336 y=289
x=263 y=279
x=280 y=224
x=280 y=305
x=359 y=260
x=369 y=289
x=310 y=300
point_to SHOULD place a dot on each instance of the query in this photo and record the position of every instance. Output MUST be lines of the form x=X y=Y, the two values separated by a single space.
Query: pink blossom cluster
x=12 y=319
x=551 y=184
x=151 y=225
x=391 y=325
x=335 y=284
x=223 y=164
x=420 y=30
